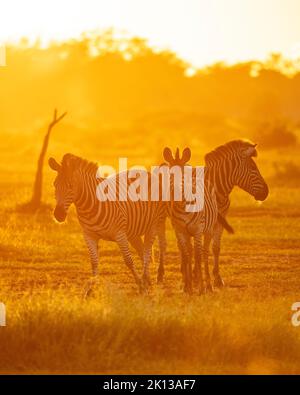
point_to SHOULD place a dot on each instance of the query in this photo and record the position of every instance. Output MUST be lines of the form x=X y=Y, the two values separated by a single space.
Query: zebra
x=189 y=225
x=121 y=221
x=227 y=166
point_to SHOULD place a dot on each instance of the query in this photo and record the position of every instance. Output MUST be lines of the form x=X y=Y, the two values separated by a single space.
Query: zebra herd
x=126 y=222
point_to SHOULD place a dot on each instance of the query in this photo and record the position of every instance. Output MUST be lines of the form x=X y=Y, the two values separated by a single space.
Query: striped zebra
x=188 y=225
x=121 y=221
x=228 y=166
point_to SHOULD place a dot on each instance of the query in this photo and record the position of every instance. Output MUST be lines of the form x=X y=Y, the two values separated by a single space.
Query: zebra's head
x=179 y=183
x=63 y=183
x=249 y=177
x=236 y=166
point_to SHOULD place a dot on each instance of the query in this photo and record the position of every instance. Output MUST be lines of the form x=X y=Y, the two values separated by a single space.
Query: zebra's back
x=105 y=219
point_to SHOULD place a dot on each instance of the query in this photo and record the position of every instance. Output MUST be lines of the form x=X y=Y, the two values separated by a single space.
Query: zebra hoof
x=145 y=285
x=160 y=278
x=142 y=289
x=88 y=289
x=188 y=289
x=218 y=282
x=87 y=293
x=209 y=288
x=201 y=287
x=196 y=280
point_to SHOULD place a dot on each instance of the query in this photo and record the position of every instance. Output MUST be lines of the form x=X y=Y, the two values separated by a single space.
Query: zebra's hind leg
x=216 y=243
x=207 y=240
x=162 y=242
x=184 y=243
x=198 y=277
x=122 y=242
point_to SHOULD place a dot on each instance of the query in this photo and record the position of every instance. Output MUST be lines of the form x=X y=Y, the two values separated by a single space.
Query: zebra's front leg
x=92 y=245
x=216 y=244
x=138 y=244
x=162 y=242
x=184 y=243
x=198 y=277
x=207 y=240
x=122 y=242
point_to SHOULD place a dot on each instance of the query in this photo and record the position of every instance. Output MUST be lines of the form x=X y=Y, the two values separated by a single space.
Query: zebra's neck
x=85 y=193
x=217 y=175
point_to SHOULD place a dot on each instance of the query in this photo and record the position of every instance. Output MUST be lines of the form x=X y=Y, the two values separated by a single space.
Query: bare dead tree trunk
x=36 y=199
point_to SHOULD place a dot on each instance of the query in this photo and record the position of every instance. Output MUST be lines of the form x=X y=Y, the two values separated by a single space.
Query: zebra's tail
x=222 y=220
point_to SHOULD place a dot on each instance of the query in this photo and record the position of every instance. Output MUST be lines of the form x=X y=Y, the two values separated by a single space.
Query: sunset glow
x=199 y=31
x=149 y=191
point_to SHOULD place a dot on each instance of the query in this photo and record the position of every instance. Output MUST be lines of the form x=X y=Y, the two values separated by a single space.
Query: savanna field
x=126 y=99
x=51 y=328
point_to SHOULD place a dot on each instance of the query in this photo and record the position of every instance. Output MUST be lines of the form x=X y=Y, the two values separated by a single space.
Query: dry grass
x=116 y=332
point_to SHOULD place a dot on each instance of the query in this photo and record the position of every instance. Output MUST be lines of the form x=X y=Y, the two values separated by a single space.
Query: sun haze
x=200 y=31
x=115 y=82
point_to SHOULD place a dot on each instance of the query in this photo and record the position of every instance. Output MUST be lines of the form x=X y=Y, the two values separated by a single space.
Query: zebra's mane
x=227 y=150
x=76 y=162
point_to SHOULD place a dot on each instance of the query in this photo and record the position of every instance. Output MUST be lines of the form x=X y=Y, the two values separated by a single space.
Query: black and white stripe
x=228 y=166
x=121 y=221
x=188 y=225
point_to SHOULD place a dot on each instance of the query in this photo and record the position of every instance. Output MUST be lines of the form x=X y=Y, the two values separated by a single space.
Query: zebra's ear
x=250 y=151
x=68 y=163
x=168 y=157
x=54 y=165
x=186 y=155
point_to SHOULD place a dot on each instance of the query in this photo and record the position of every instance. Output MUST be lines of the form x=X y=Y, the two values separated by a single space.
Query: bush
x=276 y=135
x=287 y=173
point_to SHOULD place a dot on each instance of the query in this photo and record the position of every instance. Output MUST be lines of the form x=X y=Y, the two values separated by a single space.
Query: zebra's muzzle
x=60 y=213
x=263 y=194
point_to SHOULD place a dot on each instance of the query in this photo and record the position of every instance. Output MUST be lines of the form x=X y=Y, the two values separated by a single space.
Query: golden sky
x=200 y=31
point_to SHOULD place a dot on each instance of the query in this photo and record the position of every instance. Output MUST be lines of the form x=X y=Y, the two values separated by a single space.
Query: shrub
x=287 y=173
x=275 y=135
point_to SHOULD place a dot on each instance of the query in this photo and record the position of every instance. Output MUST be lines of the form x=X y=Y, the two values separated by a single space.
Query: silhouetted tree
x=34 y=204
